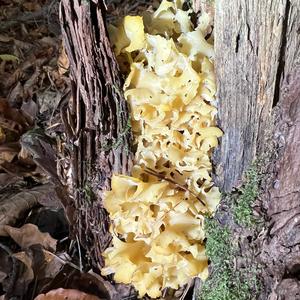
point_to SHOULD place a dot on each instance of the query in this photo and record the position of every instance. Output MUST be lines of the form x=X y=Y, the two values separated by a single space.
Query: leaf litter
x=34 y=243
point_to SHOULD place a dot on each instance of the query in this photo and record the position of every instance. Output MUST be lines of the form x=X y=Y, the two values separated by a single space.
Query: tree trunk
x=97 y=120
x=257 y=46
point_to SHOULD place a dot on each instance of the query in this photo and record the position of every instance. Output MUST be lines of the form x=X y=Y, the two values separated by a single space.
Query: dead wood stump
x=257 y=46
x=98 y=125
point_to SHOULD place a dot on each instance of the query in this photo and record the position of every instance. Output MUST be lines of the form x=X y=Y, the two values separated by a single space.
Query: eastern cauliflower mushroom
x=158 y=213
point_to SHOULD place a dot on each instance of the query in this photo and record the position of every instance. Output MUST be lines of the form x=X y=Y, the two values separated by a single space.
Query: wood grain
x=255 y=44
x=98 y=118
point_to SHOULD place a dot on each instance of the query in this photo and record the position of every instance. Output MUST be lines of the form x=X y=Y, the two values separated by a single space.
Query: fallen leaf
x=48 y=101
x=16 y=94
x=14 y=207
x=8 y=152
x=12 y=118
x=5 y=39
x=35 y=263
x=63 y=294
x=45 y=264
x=41 y=147
x=31 y=6
x=31 y=83
x=9 y=57
x=5 y=180
x=30 y=108
x=28 y=274
x=20 y=170
x=2 y=136
x=29 y=235
x=50 y=220
x=63 y=62
x=5 y=265
x=23 y=268
x=54 y=263
x=71 y=278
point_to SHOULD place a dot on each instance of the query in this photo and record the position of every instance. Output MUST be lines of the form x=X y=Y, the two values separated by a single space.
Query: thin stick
x=79 y=252
x=152 y=172
x=186 y=290
x=63 y=260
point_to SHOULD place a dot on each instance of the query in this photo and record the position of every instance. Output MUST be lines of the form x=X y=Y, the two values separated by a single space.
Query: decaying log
x=256 y=45
x=98 y=122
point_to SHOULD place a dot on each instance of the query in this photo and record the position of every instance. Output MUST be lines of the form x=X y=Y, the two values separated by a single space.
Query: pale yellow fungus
x=158 y=213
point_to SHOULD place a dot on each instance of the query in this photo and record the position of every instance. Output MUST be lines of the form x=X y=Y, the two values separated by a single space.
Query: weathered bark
x=256 y=44
x=200 y=6
x=280 y=247
x=97 y=120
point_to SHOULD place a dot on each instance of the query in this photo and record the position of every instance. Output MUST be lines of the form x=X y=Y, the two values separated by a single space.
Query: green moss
x=225 y=283
x=218 y=244
x=243 y=204
x=220 y=250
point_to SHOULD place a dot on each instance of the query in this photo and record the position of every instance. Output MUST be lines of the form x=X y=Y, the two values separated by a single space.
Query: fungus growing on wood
x=158 y=213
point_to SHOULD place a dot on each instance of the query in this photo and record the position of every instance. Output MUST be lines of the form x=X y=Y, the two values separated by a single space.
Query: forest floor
x=245 y=241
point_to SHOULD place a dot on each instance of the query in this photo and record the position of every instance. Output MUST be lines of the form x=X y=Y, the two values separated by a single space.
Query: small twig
x=164 y=293
x=182 y=187
x=34 y=288
x=63 y=260
x=79 y=252
x=63 y=239
x=186 y=290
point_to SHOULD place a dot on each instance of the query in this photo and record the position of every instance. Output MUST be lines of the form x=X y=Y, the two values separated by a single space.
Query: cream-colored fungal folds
x=158 y=213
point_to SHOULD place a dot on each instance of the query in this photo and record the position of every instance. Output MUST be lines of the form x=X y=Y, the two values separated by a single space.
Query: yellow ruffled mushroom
x=158 y=213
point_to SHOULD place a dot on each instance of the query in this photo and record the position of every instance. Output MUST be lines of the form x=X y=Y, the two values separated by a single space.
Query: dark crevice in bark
x=237 y=43
x=281 y=64
x=248 y=35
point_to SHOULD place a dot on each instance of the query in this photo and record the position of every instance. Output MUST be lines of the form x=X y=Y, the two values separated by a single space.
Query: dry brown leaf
x=29 y=235
x=21 y=170
x=31 y=83
x=54 y=263
x=30 y=108
x=28 y=274
x=31 y=6
x=63 y=294
x=8 y=152
x=41 y=147
x=5 y=39
x=14 y=207
x=5 y=180
x=63 y=61
x=16 y=94
x=12 y=119
x=2 y=136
